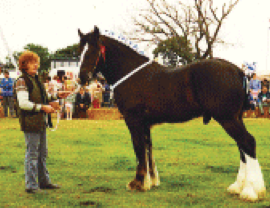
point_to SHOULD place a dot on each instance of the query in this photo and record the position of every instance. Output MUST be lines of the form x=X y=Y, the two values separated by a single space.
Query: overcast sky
x=54 y=24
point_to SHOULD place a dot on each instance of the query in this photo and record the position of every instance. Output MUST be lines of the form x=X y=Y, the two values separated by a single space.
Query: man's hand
x=64 y=94
x=47 y=109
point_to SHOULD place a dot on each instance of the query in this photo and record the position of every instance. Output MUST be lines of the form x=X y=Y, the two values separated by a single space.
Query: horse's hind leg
x=142 y=180
x=249 y=183
x=155 y=181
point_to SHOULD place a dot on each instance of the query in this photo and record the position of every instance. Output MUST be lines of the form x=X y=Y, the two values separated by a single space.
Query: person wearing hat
x=32 y=103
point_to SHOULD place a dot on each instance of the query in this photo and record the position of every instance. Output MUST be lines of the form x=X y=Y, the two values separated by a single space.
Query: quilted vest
x=32 y=121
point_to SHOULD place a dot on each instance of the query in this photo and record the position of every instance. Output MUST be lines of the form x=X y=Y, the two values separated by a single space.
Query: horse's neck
x=120 y=63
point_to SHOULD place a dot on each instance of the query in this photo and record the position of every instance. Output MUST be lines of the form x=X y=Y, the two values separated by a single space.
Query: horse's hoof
x=248 y=194
x=262 y=193
x=137 y=185
x=155 y=182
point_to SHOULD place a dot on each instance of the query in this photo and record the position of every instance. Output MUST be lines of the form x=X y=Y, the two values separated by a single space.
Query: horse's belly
x=173 y=113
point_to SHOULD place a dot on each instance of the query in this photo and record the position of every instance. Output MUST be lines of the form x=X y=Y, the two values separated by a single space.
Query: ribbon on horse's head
x=102 y=50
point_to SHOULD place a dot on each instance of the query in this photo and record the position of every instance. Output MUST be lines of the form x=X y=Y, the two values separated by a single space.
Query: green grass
x=94 y=160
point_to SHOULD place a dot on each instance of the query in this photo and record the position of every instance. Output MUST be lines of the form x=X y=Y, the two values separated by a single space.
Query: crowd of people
x=95 y=94
x=258 y=93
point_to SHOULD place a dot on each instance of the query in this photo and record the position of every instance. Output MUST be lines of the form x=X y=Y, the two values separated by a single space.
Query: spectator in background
x=251 y=101
x=53 y=85
x=106 y=95
x=1 y=98
x=69 y=86
x=265 y=82
x=255 y=86
x=264 y=99
x=62 y=82
x=7 y=93
x=48 y=90
x=96 y=93
x=87 y=87
x=82 y=103
x=47 y=84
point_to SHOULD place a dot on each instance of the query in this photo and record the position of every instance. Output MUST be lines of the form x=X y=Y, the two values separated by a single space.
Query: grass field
x=94 y=160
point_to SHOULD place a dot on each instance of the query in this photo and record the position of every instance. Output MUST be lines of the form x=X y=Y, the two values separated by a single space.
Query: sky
x=54 y=24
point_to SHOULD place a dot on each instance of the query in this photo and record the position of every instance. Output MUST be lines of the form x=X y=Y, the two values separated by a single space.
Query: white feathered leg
x=155 y=178
x=147 y=179
x=237 y=186
x=254 y=188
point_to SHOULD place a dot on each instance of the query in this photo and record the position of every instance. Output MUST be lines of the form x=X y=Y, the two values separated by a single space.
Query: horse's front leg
x=142 y=181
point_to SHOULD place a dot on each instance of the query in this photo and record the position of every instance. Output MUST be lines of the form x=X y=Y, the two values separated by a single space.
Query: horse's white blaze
x=254 y=187
x=83 y=53
x=237 y=186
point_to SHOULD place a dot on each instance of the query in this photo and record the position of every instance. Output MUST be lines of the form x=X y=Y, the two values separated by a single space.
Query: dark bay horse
x=156 y=94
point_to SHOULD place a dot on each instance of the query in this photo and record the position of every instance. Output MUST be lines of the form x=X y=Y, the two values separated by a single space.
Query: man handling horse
x=32 y=103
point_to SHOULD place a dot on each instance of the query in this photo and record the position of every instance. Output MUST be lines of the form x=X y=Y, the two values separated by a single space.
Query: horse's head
x=91 y=50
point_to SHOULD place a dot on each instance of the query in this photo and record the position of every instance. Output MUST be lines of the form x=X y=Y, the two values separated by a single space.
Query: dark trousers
x=8 y=103
x=80 y=112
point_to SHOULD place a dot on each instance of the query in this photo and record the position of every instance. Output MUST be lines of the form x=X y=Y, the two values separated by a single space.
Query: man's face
x=264 y=89
x=32 y=68
x=6 y=75
x=81 y=91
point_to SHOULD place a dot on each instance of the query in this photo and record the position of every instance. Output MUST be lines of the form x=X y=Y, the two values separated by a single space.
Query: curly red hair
x=27 y=57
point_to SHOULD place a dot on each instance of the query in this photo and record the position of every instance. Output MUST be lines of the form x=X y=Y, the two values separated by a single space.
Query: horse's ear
x=96 y=33
x=80 y=33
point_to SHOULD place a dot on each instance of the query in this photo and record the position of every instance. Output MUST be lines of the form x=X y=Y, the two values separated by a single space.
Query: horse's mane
x=123 y=41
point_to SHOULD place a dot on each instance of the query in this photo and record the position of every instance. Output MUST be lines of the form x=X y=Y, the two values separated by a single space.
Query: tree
x=174 y=47
x=43 y=53
x=68 y=52
x=198 y=23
